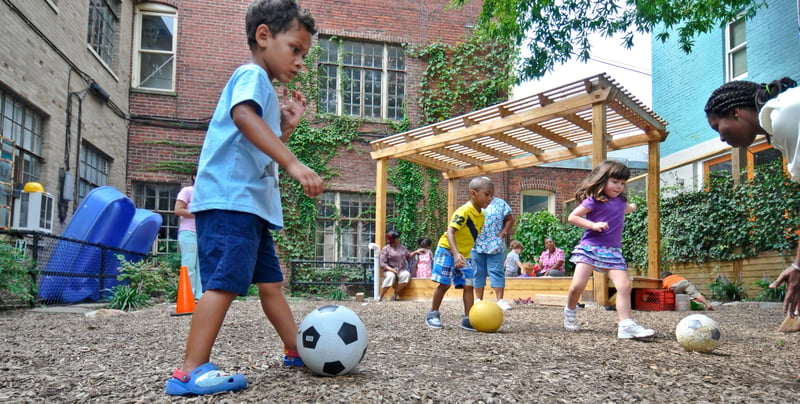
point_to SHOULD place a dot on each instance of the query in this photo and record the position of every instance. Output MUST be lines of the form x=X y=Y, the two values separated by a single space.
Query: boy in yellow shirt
x=451 y=263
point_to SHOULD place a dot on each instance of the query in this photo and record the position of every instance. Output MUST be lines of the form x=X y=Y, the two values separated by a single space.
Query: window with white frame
x=160 y=198
x=103 y=28
x=154 y=47
x=23 y=125
x=736 y=49
x=93 y=170
x=361 y=78
x=534 y=200
x=346 y=226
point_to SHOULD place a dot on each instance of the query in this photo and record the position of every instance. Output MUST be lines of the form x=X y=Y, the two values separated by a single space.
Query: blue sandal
x=206 y=379
x=292 y=359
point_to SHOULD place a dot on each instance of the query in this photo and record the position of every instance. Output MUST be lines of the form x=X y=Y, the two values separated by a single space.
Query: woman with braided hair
x=741 y=110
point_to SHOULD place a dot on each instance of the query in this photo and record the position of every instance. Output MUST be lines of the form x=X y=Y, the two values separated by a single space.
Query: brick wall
x=510 y=184
x=42 y=70
x=212 y=43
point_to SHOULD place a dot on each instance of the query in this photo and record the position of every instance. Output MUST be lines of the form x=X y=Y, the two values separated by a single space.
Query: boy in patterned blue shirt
x=451 y=260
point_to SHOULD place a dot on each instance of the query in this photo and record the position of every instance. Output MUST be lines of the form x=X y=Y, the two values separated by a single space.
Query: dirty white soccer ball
x=698 y=332
x=332 y=340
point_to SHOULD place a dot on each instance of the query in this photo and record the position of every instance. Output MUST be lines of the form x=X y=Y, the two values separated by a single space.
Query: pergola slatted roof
x=584 y=118
x=545 y=127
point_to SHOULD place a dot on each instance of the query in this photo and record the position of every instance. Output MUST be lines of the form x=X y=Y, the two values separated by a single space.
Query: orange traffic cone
x=185 y=303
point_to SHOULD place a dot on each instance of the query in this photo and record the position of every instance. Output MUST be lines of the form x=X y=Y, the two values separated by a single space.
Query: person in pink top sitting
x=551 y=262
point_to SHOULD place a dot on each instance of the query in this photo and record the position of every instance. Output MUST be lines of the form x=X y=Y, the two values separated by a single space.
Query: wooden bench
x=551 y=290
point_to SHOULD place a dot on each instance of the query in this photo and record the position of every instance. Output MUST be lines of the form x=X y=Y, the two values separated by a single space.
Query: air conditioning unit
x=33 y=211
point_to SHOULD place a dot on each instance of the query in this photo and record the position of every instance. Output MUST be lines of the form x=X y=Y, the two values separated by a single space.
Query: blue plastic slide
x=106 y=217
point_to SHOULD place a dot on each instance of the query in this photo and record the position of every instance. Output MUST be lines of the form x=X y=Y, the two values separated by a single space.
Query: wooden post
x=599 y=133
x=653 y=214
x=452 y=198
x=738 y=164
x=380 y=201
x=599 y=153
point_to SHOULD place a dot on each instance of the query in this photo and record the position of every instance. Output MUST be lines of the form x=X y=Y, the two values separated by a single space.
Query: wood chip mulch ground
x=63 y=357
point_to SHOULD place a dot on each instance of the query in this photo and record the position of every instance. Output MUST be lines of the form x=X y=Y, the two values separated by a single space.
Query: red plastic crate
x=654 y=299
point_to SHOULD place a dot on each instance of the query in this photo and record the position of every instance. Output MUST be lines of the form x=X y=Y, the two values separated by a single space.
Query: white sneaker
x=571 y=320
x=503 y=305
x=476 y=300
x=630 y=330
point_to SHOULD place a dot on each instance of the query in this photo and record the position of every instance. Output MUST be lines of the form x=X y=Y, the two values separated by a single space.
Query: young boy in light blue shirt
x=236 y=201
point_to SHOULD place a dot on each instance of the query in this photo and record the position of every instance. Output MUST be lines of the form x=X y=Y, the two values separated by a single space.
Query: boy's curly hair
x=278 y=15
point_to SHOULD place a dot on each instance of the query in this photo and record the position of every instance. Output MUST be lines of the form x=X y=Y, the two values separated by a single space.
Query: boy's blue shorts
x=235 y=250
x=445 y=272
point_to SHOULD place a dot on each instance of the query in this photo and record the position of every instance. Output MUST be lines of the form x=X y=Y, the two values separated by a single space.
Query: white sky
x=629 y=67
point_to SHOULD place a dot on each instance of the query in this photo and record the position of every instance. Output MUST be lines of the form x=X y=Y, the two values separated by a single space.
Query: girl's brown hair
x=594 y=184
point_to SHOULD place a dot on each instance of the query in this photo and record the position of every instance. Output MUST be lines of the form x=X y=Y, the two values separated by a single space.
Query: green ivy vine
x=721 y=222
x=463 y=77
x=185 y=166
x=457 y=79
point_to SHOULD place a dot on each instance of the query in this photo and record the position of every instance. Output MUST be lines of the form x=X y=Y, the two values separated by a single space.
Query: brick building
x=64 y=81
x=119 y=93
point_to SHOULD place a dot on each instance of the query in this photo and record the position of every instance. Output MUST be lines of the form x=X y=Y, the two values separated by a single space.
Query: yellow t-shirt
x=468 y=222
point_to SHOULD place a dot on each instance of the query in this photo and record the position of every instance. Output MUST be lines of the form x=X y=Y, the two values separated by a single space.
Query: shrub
x=145 y=280
x=126 y=298
x=726 y=290
x=770 y=295
x=17 y=274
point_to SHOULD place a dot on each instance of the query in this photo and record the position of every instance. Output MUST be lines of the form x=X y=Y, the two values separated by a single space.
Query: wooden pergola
x=586 y=118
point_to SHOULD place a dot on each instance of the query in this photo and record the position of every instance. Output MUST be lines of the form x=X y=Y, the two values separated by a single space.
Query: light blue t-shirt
x=233 y=174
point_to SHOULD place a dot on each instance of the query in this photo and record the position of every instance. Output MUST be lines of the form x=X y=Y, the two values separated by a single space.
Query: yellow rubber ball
x=486 y=316
x=33 y=187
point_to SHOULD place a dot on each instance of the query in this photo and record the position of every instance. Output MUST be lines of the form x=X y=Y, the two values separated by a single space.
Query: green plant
x=463 y=77
x=151 y=277
x=17 y=274
x=145 y=280
x=125 y=297
x=309 y=279
x=338 y=294
x=723 y=221
x=770 y=295
x=532 y=228
x=724 y=289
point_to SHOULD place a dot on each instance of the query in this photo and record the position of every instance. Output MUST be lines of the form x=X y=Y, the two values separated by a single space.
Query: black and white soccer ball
x=332 y=340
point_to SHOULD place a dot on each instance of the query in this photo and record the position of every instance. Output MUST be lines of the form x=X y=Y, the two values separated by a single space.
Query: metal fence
x=330 y=278
x=69 y=270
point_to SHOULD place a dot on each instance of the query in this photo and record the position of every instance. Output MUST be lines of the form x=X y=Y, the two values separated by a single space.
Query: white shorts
x=388 y=277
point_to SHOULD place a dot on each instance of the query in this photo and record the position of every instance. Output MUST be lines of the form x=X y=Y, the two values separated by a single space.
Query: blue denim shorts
x=492 y=265
x=235 y=250
x=445 y=272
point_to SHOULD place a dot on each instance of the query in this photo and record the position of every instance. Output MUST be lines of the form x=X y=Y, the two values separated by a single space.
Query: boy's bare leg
x=499 y=292
x=438 y=295
x=278 y=312
x=479 y=292
x=702 y=299
x=469 y=299
x=206 y=321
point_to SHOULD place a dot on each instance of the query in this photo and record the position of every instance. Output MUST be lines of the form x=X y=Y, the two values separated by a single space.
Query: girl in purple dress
x=602 y=213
